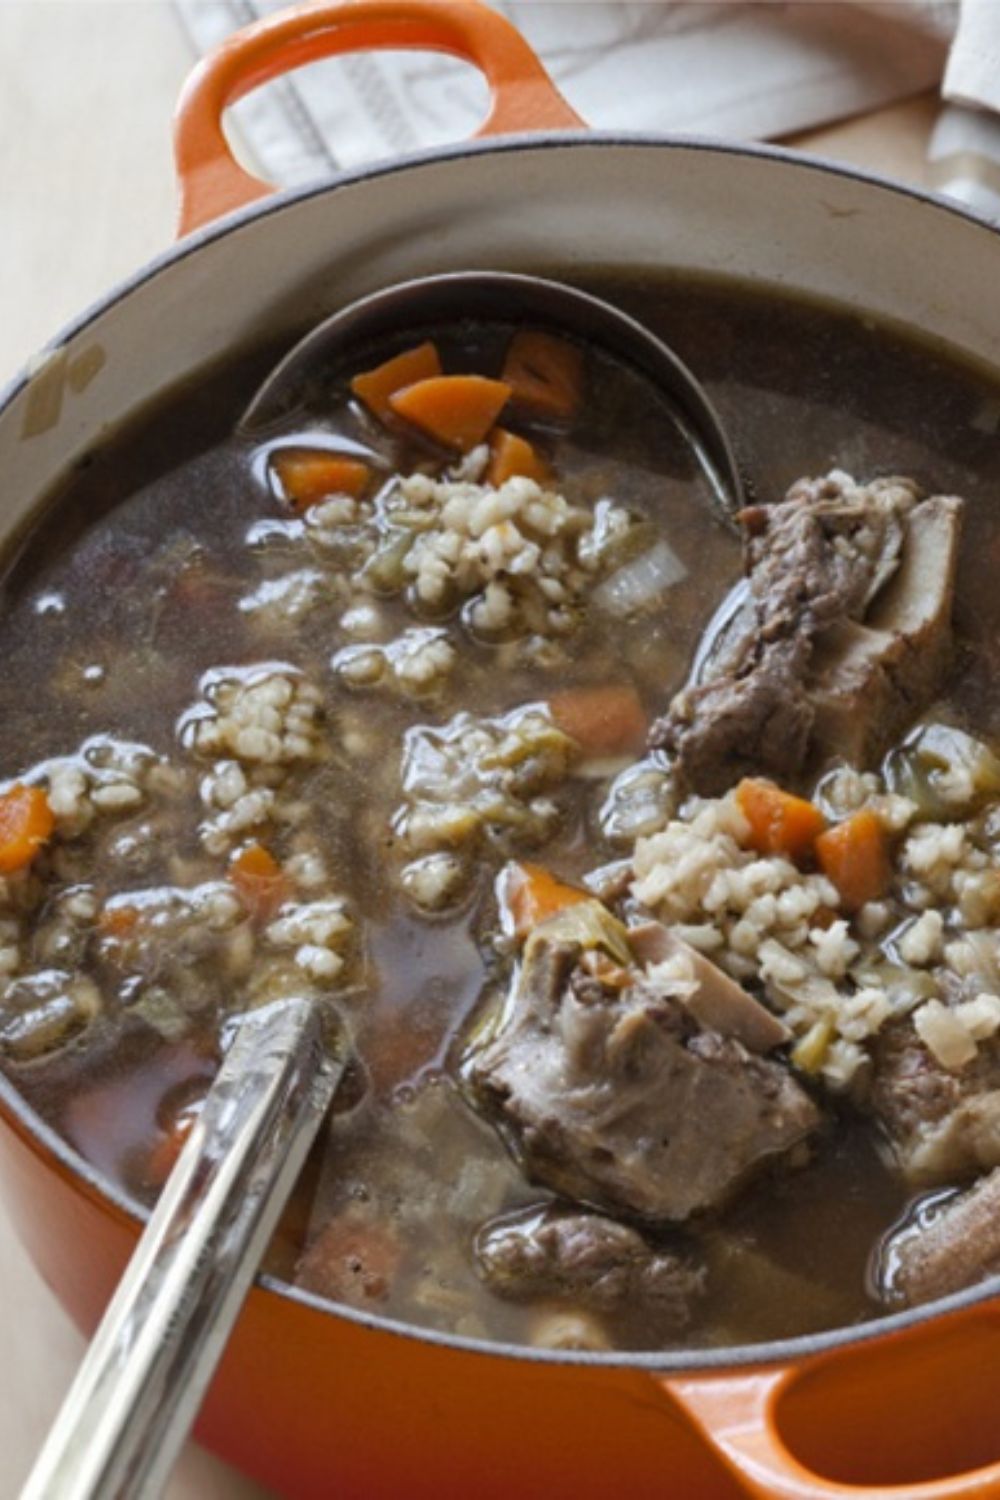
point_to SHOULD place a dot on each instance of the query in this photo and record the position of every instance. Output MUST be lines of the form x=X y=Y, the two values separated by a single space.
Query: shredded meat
x=825 y=550
x=733 y=726
x=790 y=673
x=942 y=1125
x=594 y=1261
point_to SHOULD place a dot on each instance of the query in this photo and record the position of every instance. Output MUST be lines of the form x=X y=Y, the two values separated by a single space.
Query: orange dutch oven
x=315 y=1400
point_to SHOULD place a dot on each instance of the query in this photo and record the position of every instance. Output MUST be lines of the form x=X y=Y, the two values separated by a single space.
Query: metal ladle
x=143 y=1378
x=148 y=1366
x=435 y=302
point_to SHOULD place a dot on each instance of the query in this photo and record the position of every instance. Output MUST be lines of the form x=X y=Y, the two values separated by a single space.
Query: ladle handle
x=212 y=183
x=142 y=1380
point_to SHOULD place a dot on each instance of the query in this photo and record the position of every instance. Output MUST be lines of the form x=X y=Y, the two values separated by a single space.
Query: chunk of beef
x=942 y=1125
x=793 y=673
x=848 y=664
x=825 y=551
x=758 y=720
x=958 y=1247
x=869 y=681
x=587 y=1259
x=616 y=1096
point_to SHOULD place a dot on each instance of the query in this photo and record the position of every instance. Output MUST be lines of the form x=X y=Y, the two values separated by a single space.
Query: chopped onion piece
x=601 y=767
x=980 y=1016
x=942 y=1033
x=639 y=583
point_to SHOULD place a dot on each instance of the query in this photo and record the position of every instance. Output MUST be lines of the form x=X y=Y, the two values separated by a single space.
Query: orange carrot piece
x=512 y=456
x=26 y=823
x=545 y=373
x=397 y=1047
x=353 y=1259
x=308 y=476
x=375 y=387
x=260 y=882
x=529 y=894
x=854 y=855
x=606 y=720
x=779 y=822
x=457 y=410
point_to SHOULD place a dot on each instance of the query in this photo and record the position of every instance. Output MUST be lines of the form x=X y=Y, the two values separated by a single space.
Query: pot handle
x=898 y=1401
x=523 y=96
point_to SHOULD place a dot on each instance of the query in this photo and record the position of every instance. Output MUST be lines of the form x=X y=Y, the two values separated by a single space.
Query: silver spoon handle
x=142 y=1380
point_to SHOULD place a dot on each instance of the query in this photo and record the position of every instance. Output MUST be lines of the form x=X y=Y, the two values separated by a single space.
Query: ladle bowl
x=418 y=306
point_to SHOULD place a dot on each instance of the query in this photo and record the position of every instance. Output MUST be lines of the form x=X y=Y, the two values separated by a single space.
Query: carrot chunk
x=529 y=894
x=512 y=456
x=457 y=410
x=854 y=855
x=545 y=374
x=606 y=720
x=260 y=882
x=26 y=823
x=375 y=387
x=309 y=476
x=779 y=822
x=398 y=1046
x=354 y=1259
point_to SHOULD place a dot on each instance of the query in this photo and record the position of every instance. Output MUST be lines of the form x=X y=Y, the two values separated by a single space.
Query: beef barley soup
x=654 y=870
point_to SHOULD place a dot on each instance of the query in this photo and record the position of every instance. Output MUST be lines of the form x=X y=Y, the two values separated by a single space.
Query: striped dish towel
x=747 y=70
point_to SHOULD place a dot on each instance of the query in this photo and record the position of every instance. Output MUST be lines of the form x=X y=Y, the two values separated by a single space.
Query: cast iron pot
x=319 y=1401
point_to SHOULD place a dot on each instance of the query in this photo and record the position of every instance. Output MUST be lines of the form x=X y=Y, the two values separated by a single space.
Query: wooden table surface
x=86 y=195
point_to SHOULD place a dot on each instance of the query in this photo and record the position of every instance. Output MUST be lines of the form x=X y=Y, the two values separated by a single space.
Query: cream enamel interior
x=553 y=204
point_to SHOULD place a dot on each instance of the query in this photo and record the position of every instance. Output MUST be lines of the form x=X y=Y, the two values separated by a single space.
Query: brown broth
x=137 y=568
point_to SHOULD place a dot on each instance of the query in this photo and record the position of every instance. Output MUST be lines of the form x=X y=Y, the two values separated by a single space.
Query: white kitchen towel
x=973 y=72
x=757 y=69
x=752 y=71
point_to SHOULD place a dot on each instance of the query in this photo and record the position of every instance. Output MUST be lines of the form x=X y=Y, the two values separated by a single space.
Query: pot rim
x=282 y=198
x=19 y=1115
